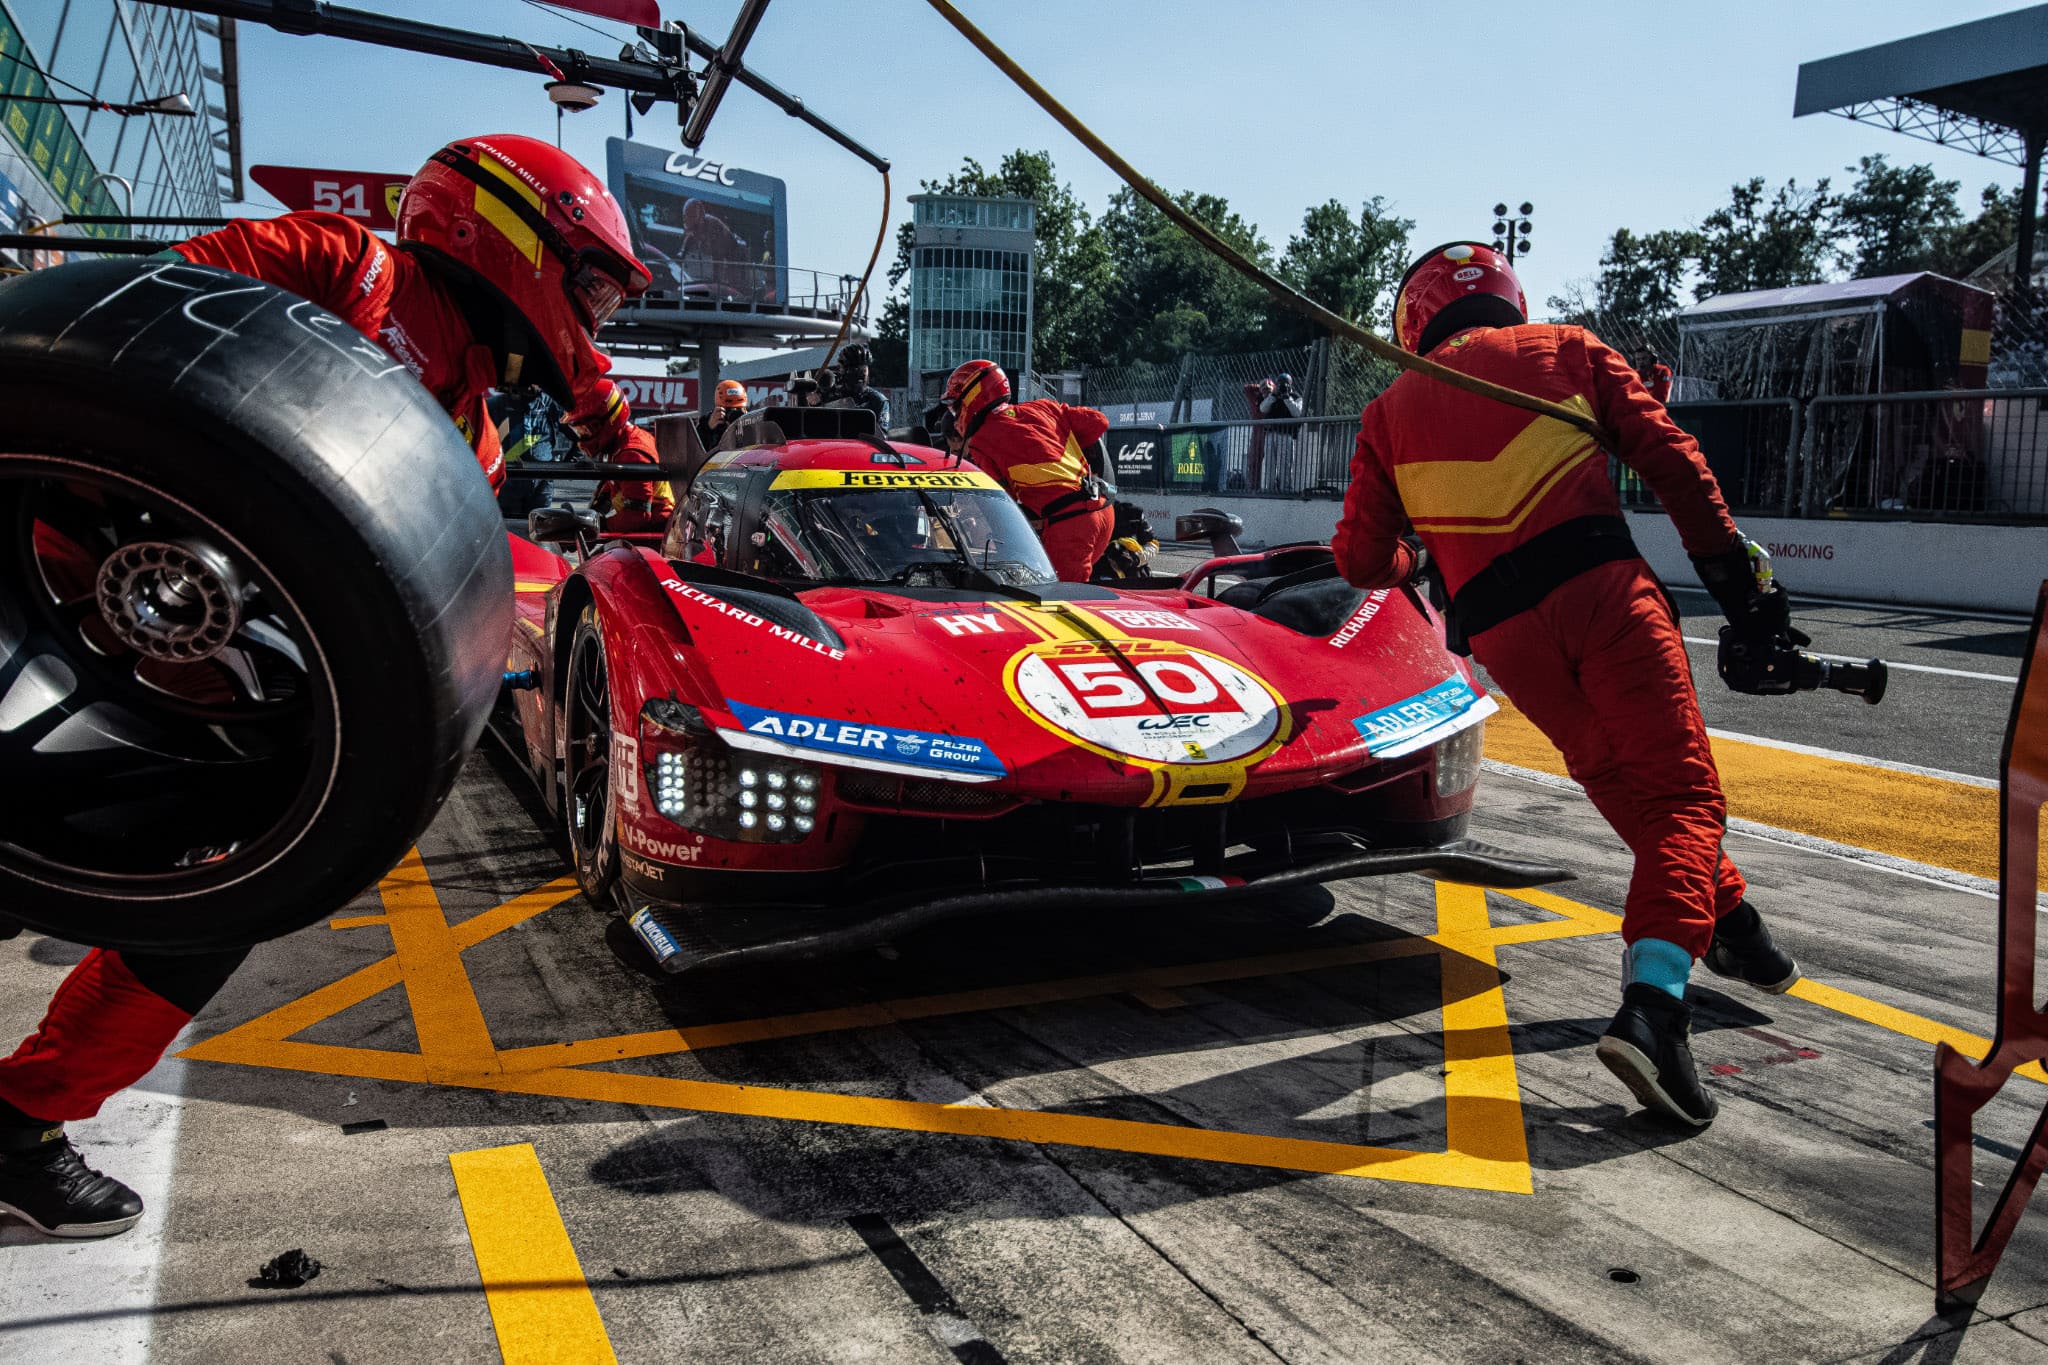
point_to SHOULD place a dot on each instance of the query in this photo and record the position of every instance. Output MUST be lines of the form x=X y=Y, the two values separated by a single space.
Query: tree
x=1166 y=295
x=1896 y=218
x=1968 y=245
x=1758 y=244
x=1641 y=273
x=1350 y=265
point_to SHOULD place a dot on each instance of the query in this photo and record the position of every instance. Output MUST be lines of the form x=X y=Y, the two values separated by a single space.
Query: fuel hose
x=1281 y=292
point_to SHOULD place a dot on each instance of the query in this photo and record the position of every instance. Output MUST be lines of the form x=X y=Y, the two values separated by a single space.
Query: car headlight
x=697 y=783
x=1457 y=760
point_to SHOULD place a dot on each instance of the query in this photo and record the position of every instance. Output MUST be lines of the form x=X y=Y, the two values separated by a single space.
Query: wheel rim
x=167 y=717
x=587 y=755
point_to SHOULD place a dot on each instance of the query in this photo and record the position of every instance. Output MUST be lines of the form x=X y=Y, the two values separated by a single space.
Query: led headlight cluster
x=776 y=796
x=1457 y=760
x=702 y=785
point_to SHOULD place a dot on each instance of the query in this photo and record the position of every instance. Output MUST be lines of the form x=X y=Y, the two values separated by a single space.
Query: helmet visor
x=596 y=292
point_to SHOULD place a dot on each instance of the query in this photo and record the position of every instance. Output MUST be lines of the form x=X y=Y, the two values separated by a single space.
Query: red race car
x=845 y=696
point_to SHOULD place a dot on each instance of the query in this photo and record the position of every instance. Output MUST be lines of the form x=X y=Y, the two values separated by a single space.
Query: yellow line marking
x=1904 y=1022
x=1485 y=1143
x=445 y=1013
x=356 y=922
x=540 y=1302
x=1908 y=815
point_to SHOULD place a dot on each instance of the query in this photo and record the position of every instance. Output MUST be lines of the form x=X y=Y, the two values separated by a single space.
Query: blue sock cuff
x=1658 y=962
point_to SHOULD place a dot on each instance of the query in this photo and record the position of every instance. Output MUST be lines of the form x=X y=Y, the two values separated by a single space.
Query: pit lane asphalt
x=1797 y=1228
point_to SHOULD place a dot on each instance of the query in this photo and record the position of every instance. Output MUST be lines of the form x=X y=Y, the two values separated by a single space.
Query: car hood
x=1115 y=697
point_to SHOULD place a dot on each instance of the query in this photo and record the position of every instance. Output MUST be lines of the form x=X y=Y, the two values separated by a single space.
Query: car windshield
x=920 y=536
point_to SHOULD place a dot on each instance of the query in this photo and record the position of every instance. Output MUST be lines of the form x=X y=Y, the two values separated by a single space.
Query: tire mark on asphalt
x=942 y=1315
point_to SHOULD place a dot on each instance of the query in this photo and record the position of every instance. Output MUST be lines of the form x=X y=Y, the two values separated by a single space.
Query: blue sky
x=1601 y=114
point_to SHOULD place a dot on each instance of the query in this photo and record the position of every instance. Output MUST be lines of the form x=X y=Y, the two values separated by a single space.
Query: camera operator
x=854 y=391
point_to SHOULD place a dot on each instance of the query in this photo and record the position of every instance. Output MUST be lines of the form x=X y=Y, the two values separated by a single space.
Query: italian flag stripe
x=1207 y=883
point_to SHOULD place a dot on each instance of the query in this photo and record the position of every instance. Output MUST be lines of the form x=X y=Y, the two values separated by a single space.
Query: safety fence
x=1976 y=455
x=1307 y=458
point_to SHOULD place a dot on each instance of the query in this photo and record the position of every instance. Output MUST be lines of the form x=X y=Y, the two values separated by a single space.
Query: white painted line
x=102 y=1292
x=1946 y=878
x=1889 y=765
x=2010 y=680
x=1911 y=608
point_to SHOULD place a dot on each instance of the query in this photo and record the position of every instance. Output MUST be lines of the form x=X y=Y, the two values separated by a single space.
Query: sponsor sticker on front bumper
x=649 y=931
x=922 y=749
x=1422 y=719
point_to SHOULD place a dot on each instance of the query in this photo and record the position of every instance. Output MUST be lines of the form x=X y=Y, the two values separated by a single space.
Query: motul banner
x=647 y=394
x=369 y=197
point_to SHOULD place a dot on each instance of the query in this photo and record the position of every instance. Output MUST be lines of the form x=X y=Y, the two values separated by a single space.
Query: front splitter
x=691 y=937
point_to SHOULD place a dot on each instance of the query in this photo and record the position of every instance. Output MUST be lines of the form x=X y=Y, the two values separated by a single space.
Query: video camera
x=1764 y=657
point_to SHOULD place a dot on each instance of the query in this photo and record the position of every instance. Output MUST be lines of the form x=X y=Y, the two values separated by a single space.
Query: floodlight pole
x=2030 y=207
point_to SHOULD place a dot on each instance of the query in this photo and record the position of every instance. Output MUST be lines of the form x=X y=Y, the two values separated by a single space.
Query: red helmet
x=731 y=393
x=532 y=223
x=976 y=389
x=1455 y=286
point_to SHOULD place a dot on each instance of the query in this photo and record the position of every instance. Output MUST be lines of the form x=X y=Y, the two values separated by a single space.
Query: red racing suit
x=1038 y=452
x=114 y=1015
x=1597 y=663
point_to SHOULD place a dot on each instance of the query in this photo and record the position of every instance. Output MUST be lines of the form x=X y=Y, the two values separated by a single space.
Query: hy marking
x=980 y=623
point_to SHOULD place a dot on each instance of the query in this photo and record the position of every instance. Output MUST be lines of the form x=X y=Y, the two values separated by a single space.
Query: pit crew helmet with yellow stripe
x=973 y=391
x=533 y=225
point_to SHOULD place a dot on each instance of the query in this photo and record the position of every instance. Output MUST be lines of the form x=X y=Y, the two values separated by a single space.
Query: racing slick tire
x=586 y=726
x=254 y=599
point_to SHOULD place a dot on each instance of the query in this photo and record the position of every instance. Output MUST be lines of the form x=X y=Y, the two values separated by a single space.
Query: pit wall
x=1921 y=563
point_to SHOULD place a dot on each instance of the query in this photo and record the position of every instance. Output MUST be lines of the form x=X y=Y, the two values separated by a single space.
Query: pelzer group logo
x=1155 y=703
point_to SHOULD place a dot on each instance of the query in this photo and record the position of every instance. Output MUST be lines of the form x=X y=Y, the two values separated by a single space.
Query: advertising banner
x=707 y=229
x=369 y=197
x=1196 y=460
x=1137 y=457
x=47 y=140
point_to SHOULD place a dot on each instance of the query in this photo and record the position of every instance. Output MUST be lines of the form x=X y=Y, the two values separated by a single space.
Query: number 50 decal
x=1176 y=685
x=1166 y=705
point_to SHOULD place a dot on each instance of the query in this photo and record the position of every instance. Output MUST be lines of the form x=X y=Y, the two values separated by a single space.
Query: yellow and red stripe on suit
x=1477 y=478
x=1038 y=450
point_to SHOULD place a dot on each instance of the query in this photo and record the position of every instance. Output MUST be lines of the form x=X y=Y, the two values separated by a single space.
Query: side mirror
x=560 y=525
x=1220 y=529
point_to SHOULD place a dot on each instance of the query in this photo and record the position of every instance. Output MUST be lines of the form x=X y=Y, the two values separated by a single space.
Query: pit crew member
x=510 y=256
x=1518 y=513
x=1038 y=452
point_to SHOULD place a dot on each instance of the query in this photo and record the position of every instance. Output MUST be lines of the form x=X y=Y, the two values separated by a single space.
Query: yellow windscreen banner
x=884 y=478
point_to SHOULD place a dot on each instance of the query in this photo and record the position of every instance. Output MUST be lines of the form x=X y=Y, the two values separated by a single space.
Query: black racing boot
x=1743 y=950
x=1646 y=1047
x=45 y=1183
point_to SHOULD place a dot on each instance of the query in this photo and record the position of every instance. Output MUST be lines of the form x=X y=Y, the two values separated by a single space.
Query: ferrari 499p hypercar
x=845 y=695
